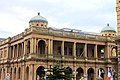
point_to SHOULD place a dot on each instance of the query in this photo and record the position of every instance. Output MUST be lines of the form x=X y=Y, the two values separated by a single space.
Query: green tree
x=57 y=73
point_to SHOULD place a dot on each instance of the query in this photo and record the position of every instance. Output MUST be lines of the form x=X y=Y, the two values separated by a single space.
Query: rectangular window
x=77 y=52
x=81 y=52
x=65 y=51
x=5 y=53
x=70 y=51
x=59 y=50
x=92 y=52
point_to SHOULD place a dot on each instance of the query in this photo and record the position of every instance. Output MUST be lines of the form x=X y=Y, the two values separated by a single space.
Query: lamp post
x=45 y=73
x=74 y=74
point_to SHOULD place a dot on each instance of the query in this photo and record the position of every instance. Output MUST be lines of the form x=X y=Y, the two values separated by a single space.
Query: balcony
x=53 y=57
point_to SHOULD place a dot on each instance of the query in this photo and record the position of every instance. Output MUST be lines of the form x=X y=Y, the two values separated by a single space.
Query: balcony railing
x=102 y=59
x=59 y=57
x=81 y=58
x=61 y=33
x=91 y=58
x=68 y=57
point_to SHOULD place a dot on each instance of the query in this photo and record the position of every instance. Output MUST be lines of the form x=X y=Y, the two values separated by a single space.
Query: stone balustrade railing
x=61 y=33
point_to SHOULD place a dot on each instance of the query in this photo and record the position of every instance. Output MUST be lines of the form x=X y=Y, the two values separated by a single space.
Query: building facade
x=118 y=15
x=27 y=55
x=118 y=35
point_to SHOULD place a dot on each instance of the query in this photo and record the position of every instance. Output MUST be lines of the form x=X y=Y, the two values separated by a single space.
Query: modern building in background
x=27 y=55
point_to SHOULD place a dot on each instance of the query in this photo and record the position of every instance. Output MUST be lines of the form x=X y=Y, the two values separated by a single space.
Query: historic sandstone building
x=118 y=35
x=27 y=55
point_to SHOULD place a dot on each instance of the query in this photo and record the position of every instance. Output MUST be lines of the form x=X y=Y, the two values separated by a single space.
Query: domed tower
x=108 y=31
x=38 y=21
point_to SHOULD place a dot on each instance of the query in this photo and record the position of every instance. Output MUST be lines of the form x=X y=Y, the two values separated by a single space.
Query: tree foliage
x=57 y=73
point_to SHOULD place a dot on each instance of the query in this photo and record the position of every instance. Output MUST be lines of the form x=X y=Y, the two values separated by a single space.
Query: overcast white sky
x=86 y=15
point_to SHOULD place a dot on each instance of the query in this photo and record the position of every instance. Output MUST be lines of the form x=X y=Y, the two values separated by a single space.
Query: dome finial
x=107 y=24
x=38 y=13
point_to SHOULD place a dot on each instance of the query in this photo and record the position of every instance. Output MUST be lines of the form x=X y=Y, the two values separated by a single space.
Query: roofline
x=108 y=31
x=38 y=21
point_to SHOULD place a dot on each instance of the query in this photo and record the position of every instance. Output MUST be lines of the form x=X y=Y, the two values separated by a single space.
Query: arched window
x=101 y=73
x=80 y=73
x=27 y=73
x=4 y=73
x=11 y=74
x=40 y=73
x=68 y=71
x=37 y=24
x=41 y=24
x=113 y=52
x=14 y=73
x=90 y=73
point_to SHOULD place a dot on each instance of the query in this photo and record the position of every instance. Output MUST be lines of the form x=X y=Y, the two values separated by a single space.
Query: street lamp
x=75 y=73
x=45 y=73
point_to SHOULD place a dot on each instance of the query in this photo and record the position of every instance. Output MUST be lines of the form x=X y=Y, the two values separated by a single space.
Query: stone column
x=13 y=77
x=17 y=73
x=46 y=49
x=17 y=54
x=31 y=72
x=34 y=72
x=96 y=54
x=23 y=72
x=2 y=74
x=31 y=45
x=51 y=47
x=22 y=52
x=107 y=51
x=74 y=50
x=85 y=49
x=24 y=47
x=62 y=49
x=85 y=71
x=74 y=69
x=9 y=53
x=37 y=46
x=34 y=48
x=13 y=52
x=96 y=73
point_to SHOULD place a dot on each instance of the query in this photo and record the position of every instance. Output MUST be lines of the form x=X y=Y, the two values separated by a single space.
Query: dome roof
x=108 y=29
x=38 y=18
